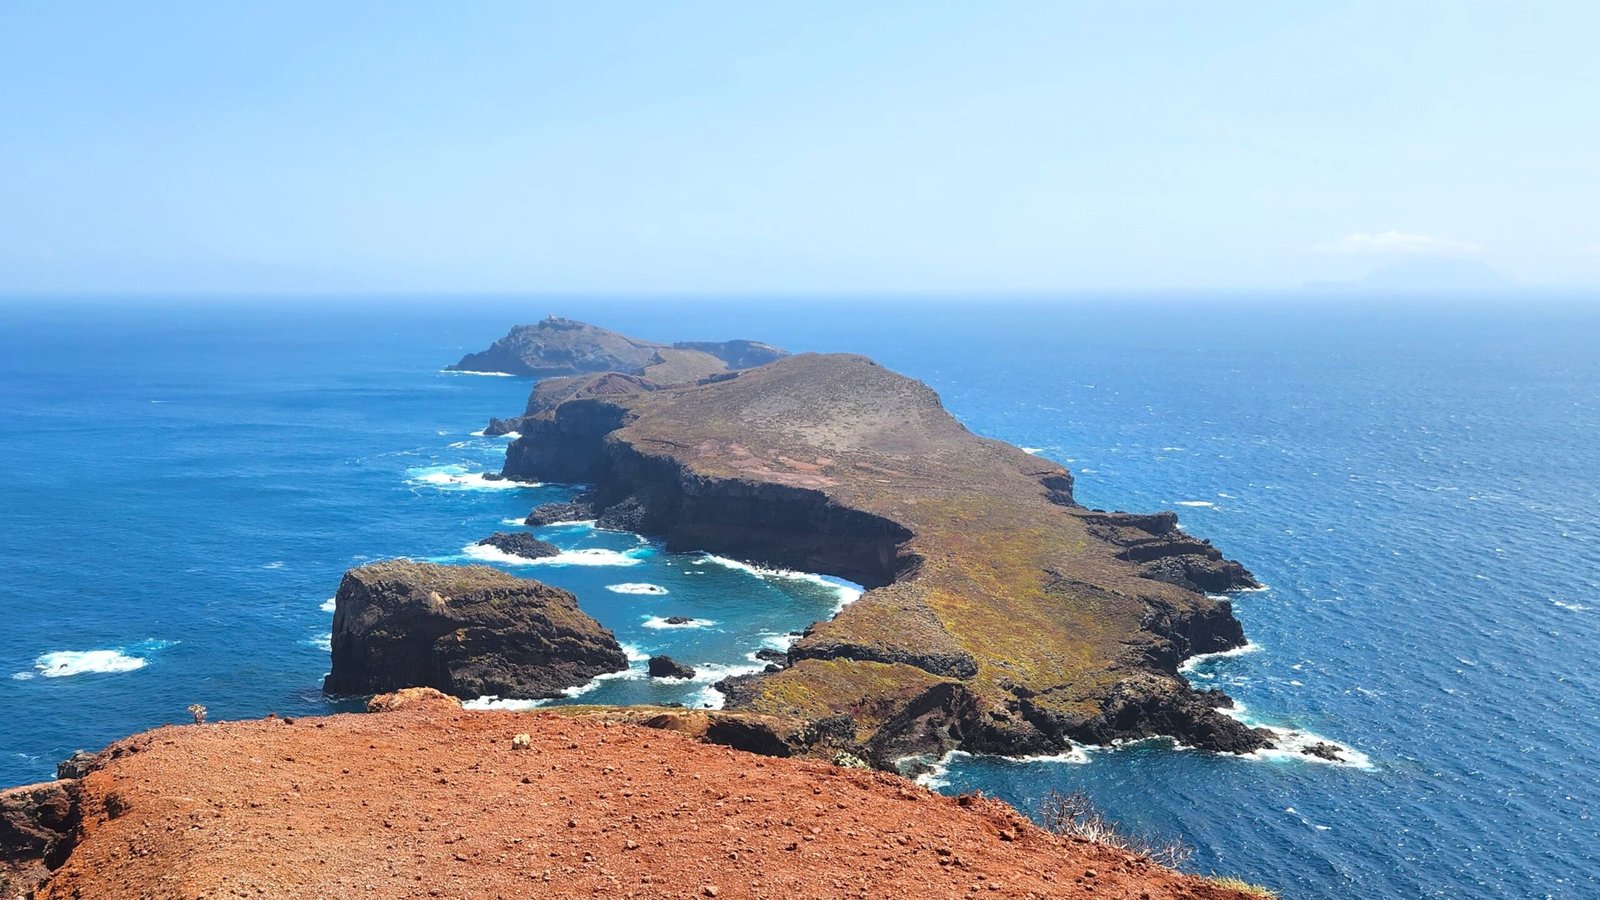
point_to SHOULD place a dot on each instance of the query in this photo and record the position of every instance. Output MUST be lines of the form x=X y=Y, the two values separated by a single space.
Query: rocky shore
x=1002 y=617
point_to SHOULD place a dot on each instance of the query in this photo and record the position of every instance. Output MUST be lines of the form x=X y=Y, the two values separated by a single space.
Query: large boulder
x=468 y=631
x=38 y=824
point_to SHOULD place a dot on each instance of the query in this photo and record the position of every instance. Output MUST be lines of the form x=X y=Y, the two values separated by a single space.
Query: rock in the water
x=679 y=620
x=767 y=654
x=498 y=427
x=468 y=631
x=667 y=667
x=520 y=544
x=629 y=515
x=1325 y=750
x=578 y=509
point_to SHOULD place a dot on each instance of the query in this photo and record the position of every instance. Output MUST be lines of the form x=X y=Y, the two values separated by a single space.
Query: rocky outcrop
x=38 y=827
x=1002 y=616
x=468 y=631
x=578 y=509
x=667 y=667
x=519 y=543
x=737 y=354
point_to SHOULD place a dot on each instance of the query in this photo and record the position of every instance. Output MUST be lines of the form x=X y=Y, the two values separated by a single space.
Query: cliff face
x=1002 y=617
x=466 y=630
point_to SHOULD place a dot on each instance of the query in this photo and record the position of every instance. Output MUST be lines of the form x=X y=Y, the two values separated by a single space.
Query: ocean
x=1417 y=483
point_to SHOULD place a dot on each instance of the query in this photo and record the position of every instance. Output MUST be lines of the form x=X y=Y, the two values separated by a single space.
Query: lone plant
x=1074 y=815
x=199 y=713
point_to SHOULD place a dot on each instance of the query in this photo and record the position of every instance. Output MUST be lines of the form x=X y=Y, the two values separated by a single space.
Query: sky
x=792 y=148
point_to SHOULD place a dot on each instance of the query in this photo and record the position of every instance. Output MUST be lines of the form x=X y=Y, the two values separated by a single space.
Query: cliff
x=1002 y=617
x=466 y=630
x=427 y=800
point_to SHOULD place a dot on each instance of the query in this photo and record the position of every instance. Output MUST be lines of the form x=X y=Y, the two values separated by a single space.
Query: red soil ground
x=433 y=802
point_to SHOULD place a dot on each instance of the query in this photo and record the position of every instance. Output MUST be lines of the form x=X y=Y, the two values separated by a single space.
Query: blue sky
x=791 y=148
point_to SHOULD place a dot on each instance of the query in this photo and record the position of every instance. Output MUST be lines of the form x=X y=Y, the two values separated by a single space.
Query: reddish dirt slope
x=430 y=801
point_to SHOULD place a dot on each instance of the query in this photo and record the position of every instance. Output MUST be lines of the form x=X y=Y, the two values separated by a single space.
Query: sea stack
x=469 y=631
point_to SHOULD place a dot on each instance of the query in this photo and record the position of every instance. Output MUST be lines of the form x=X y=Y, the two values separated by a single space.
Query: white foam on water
x=471 y=372
x=660 y=622
x=322 y=642
x=22 y=676
x=635 y=671
x=594 y=556
x=1199 y=659
x=778 y=640
x=573 y=524
x=275 y=564
x=1032 y=451
x=66 y=663
x=457 y=478
x=848 y=592
x=1198 y=504
x=1573 y=607
x=329 y=604
x=637 y=587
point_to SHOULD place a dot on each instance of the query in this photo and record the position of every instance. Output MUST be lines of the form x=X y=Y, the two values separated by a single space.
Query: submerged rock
x=521 y=544
x=468 y=631
x=667 y=667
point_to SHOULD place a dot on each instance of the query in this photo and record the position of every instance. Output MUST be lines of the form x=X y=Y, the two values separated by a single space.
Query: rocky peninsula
x=1001 y=616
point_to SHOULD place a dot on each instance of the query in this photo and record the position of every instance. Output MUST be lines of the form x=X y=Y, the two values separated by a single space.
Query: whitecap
x=457 y=478
x=66 y=663
x=275 y=564
x=329 y=604
x=323 y=642
x=778 y=640
x=660 y=622
x=636 y=587
x=573 y=525
x=1032 y=451
x=847 y=591
x=472 y=372
x=1198 y=504
x=594 y=556
x=634 y=671
x=1573 y=607
x=1199 y=659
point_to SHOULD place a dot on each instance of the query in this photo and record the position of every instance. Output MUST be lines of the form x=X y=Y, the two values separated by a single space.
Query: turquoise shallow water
x=1416 y=485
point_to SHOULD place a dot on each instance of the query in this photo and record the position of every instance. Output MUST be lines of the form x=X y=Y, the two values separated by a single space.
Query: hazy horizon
x=713 y=149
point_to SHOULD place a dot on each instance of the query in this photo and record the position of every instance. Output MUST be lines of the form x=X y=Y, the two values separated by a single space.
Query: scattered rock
x=521 y=742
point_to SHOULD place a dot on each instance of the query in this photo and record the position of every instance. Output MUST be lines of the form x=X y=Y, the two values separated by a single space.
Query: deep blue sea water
x=1418 y=484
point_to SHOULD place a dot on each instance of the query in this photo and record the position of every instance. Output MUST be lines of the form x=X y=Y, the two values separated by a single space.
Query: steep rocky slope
x=465 y=630
x=1002 y=616
x=430 y=801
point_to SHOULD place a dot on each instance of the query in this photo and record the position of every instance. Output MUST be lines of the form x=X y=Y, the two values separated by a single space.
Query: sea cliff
x=1001 y=616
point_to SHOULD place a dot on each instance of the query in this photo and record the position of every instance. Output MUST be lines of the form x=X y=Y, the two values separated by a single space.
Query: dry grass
x=1243 y=887
x=1074 y=815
